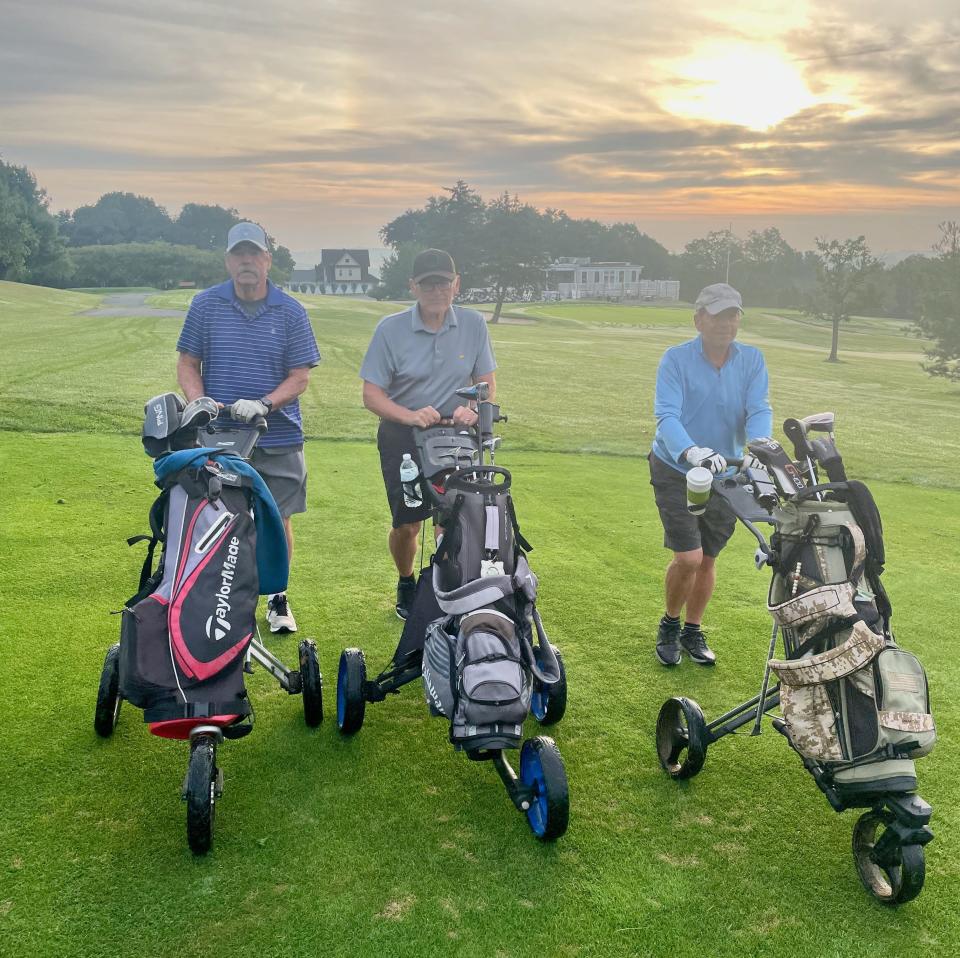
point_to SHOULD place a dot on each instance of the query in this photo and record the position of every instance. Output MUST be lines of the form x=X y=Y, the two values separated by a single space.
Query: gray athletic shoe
x=668 y=643
x=695 y=645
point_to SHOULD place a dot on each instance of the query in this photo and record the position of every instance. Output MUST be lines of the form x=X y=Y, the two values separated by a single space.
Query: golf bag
x=479 y=660
x=185 y=632
x=852 y=700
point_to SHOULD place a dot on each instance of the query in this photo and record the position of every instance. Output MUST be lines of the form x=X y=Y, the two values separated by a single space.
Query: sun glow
x=751 y=86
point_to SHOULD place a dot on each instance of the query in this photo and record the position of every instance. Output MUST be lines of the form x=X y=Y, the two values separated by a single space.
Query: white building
x=574 y=277
x=340 y=272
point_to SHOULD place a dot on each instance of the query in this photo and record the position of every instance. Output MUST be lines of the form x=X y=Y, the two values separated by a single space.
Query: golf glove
x=246 y=410
x=750 y=461
x=706 y=457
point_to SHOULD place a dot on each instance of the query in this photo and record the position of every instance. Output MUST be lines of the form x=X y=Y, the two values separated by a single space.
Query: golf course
x=388 y=843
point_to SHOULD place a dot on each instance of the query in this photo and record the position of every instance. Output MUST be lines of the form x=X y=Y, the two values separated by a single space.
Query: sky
x=324 y=120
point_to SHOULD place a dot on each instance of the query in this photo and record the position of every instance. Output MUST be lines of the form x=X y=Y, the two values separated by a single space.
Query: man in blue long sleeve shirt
x=711 y=398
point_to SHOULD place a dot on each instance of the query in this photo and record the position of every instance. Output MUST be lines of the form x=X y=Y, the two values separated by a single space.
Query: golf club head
x=785 y=474
x=161 y=419
x=818 y=422
x=198 y=413
x=478 y=391
x=795 y=431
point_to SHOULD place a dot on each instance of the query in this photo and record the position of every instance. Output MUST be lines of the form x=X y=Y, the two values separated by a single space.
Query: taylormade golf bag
x=184 y=633
x=851 y=698
x=479 y=660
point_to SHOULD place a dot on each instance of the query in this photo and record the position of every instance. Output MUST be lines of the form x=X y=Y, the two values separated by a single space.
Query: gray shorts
x=683 y=532
x=284 y=470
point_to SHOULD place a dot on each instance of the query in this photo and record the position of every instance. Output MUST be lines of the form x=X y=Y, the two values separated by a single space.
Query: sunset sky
x=324 y=120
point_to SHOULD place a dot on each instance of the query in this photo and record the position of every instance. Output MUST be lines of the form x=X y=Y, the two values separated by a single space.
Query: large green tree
x=843 y=268
x=31 y=249
x=118 y=218
x=511 y=258
x=453 y=222
x=940 y=305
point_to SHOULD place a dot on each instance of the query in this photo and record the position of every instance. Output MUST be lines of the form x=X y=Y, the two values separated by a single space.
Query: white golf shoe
x=279 y=616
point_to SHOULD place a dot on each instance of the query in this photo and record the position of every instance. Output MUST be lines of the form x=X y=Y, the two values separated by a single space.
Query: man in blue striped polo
x=249 y=345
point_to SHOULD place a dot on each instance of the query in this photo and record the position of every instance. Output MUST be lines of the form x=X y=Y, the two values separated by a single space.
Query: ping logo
x=158 y=412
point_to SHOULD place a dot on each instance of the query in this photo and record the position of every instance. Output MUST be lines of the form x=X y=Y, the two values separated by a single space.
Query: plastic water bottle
x=409 y=474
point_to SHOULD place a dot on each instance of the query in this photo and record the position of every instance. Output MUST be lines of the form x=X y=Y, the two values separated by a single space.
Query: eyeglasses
x=428 y=285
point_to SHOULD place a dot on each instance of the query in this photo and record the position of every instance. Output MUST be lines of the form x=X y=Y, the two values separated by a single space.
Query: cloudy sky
x=326 y=119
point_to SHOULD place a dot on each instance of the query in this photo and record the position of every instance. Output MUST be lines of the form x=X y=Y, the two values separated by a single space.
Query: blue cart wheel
x=548 y=703
x=541 y=768
x=351 y=682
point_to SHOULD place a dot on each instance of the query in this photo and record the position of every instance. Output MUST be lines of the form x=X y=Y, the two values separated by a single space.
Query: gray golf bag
x=480 y=660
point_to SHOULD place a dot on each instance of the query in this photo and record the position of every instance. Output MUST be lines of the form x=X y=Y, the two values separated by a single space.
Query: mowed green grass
x=389 y=843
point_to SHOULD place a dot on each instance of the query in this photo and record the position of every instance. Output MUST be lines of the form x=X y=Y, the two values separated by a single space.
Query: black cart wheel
x=891 y=872
x=351 y=681
x=549 y=702
x=681 y=738
x=311 y=682
x=108 y=694
x=541 y=768
x=201 y=793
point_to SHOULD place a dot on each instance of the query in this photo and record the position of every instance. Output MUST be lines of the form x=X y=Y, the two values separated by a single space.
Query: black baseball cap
x=433 y=262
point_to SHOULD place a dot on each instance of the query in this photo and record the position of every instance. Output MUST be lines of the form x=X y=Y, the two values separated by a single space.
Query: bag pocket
x=146 y=671
x=814 y=688
x=904 y=703
x=492 y=682
x=820 y=604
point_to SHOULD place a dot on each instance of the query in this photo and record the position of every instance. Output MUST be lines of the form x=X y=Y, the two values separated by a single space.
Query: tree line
x=501 y=245
x=121 y=240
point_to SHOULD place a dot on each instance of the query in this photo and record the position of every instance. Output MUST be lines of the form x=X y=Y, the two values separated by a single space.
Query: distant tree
x=118 y=218
x=453 y=222
x=511 y=259
x=396 y=270
x=709 y=259
x=31 y=249
x=204 y=226
x=940 y=305
x=843 y=269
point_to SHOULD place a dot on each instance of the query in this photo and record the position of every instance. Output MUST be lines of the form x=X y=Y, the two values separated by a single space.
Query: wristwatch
x=267 y=402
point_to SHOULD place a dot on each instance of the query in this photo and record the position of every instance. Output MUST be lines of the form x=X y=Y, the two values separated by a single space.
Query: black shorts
x=393 y=440
x=683 y=532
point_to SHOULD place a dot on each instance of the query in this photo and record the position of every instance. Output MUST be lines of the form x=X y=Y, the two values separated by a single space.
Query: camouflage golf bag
x=852 y=700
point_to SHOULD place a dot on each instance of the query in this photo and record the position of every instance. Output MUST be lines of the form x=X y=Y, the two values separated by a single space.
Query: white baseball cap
x=247 y=233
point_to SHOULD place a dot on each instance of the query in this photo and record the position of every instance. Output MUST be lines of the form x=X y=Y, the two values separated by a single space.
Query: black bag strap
x=831 y=630
x=158 y=534
x=517 y=534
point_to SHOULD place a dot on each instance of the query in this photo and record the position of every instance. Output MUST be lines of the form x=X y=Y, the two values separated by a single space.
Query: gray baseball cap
x=718 y=297
x=247 y=233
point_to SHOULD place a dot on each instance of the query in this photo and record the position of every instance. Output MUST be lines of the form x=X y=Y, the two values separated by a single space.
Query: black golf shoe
x=668 y=643
x=695 y=645
x=406 y=589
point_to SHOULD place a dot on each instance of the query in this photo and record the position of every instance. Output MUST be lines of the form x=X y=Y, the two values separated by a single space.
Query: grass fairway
x=388 y=843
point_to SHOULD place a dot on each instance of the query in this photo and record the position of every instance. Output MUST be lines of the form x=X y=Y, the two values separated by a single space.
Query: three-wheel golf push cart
x=189 y=634
x=474 y=634
x=854 y=705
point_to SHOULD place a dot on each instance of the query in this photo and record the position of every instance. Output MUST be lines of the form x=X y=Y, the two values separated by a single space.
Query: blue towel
x=273 y=561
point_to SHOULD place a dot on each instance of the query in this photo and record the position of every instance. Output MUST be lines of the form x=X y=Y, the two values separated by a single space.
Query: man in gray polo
x=416 y=361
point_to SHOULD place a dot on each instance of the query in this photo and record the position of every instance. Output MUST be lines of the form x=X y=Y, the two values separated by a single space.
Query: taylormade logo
x=222 y=625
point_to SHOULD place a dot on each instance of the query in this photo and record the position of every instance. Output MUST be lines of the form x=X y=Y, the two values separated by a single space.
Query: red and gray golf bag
x=185 y=632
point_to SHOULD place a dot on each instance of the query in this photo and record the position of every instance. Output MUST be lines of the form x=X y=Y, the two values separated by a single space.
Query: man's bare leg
x=403 y=547
x=682 y=574
x=702 y=589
